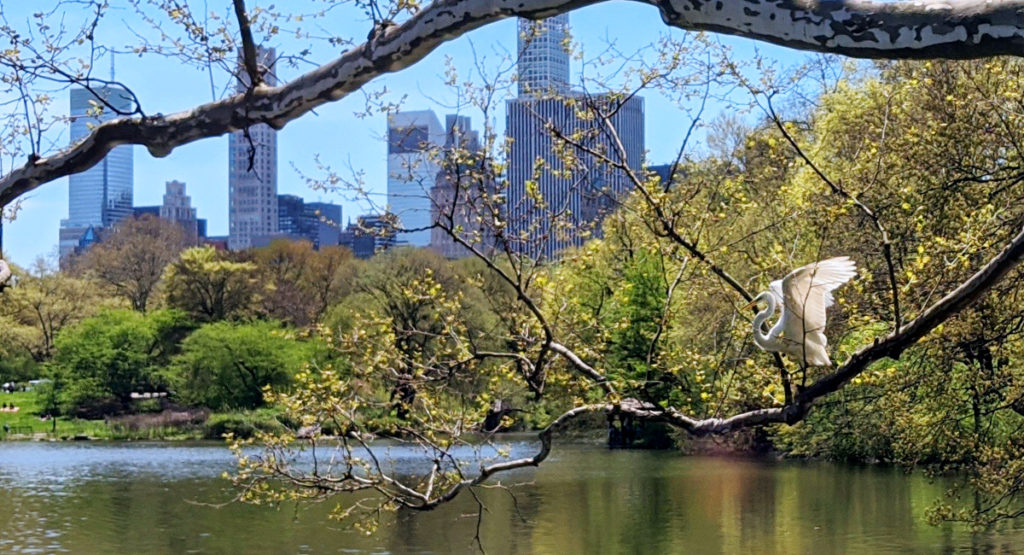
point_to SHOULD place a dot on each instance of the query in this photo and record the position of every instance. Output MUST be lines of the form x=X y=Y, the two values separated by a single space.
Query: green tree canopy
x=227 y=365
x=101 y=360
x=210 y=286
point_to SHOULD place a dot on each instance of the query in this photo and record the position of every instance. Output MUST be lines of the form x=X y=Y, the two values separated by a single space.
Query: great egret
x=804 y=294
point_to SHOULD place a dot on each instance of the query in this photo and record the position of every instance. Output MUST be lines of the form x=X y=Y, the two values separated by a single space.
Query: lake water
x=149 y=498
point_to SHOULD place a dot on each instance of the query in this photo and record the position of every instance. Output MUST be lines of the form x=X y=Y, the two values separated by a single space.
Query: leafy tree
x=417 y=328
x=41 y=304
x=100 y=361
x=132 y=255
x=16 y=340
x=301 y=283
x=226 y=365
x=945 y=193
x=210 y=286
x=16 y=361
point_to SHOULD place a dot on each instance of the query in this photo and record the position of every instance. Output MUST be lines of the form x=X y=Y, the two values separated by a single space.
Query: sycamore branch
x=862 y=28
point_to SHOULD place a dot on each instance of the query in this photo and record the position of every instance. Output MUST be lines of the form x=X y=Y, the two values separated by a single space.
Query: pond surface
x=149 y=498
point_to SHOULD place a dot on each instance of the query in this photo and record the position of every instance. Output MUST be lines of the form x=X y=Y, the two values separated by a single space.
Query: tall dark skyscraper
x=102 y=195
x=552 y=206
x=317 y=222
x=252 y=172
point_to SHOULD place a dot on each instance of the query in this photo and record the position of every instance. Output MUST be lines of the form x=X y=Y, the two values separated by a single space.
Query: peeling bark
x=861 y=28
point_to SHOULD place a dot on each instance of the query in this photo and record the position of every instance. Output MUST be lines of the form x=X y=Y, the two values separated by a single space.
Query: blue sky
x=341 y=139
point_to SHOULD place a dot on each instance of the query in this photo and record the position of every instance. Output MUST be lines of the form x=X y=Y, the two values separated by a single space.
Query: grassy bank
x=26 y=423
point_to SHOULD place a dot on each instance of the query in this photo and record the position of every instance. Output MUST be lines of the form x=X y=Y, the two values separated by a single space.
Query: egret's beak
x=750 y=304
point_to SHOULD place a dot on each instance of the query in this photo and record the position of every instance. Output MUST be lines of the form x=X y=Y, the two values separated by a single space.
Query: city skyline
x=348 y=140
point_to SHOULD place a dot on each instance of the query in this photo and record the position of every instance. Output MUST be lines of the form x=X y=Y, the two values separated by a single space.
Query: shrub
x=226 y=365
x=241 y=424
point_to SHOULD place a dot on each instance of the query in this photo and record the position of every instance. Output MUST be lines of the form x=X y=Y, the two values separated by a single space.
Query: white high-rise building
x=101 y=195
x=543 y=55
x=252 y=172
x=413 y=138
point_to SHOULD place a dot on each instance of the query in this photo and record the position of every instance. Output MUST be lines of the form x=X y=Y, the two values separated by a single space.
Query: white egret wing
x=807 y=292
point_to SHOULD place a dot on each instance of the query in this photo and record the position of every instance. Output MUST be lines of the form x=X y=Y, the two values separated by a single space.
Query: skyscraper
x=252 y=171
x=543 y=64
x=463 y=193
x=413 y=138
x=371 y=234
x=102 y=195
x=554 y=203
x=177 y=208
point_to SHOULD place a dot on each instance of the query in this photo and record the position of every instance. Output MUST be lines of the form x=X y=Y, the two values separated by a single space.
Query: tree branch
x=839 y=190
x=248 y=45
x=891 y=347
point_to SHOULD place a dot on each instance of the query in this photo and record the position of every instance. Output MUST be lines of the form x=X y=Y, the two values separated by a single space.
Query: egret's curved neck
x=761 y=338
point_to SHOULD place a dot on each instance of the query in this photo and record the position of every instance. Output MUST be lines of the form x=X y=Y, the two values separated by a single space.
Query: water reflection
x=104 y=498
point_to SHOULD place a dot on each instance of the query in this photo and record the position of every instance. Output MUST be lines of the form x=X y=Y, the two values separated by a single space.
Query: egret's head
x=763 y=297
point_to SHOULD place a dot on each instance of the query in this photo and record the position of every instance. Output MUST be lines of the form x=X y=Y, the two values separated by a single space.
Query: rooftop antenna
x=111 y=64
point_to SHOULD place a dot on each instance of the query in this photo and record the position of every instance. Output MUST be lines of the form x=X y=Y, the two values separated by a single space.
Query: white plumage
x=805 y=294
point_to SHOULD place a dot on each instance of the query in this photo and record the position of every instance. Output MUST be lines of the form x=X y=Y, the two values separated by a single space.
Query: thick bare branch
x=864 y=28
x=957 y=29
